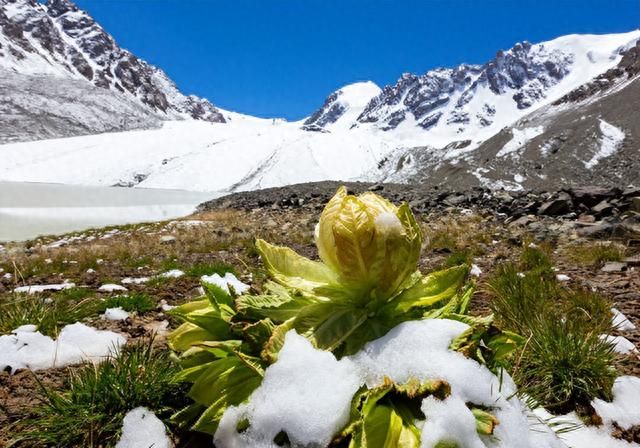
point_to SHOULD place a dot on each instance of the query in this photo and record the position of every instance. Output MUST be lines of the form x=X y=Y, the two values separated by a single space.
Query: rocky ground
x=593 y=235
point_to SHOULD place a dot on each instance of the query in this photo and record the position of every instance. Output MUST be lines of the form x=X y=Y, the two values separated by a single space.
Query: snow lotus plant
x=366 y=283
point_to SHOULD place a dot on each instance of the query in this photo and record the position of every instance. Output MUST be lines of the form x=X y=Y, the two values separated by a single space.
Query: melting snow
x=610 y=142
x=111 y=287
x=520 y=137
x=620 y=322
x=307 y=392
x=475 y=270
x=173 y=273
x=34 y=289
x=224 y=282
x=142 y=429
x=134 y=281
x=115 y=314
x=621 y=344
x=26 y=349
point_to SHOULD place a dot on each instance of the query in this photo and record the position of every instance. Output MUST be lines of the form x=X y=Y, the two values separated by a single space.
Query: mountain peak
x=342 y=107
x=58 y=40
x=59 y=7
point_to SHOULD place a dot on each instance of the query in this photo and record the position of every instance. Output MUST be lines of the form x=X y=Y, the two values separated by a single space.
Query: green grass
x=65 y=307
x=457 y=258
x=199 y=269
x=89 y=411
x=596 y=254
x=564 y=364
x=137 y=301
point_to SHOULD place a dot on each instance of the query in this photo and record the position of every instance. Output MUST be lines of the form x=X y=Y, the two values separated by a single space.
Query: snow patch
x=76 y=343
x=229 y=280
x=115 y=314
x=520 y=137
x=173 y=273
x=141 y=429
x=610 y=142
x=621 y=322
x=111 y=287
x=34 y=289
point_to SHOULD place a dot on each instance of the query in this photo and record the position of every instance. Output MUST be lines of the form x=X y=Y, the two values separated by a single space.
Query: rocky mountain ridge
x=56 y=42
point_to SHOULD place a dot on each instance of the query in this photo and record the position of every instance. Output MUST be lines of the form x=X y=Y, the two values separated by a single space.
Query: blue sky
x=281 y=58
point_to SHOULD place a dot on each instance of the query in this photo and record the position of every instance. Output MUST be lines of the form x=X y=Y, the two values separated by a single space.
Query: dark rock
x=558 y=206
x=591 y=195
x=635 y=204
x=603 y=208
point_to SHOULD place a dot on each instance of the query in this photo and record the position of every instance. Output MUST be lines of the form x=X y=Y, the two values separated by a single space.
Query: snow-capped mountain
x=47 y=45
x=342 y=108
x=588 y=136
x=61 y=74
x=473 y=102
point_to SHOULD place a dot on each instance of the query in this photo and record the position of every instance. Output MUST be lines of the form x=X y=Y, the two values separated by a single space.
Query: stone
x=587 y=218
x=596 y=230
x=631 y=191
x=603 y=208
x=522 y=221
x=632 y=261
x=166 y=239
x=635 y=204
x=591 y=195
x=558 y=206
x=614 y=266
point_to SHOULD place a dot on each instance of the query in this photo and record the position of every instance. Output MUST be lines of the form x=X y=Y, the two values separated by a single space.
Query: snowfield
x=245 y=154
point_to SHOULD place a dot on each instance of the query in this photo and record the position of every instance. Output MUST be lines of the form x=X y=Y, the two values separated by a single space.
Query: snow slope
x=194 y=155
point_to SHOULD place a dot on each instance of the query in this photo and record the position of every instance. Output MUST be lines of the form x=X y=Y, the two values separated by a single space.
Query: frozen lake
x=30 y=209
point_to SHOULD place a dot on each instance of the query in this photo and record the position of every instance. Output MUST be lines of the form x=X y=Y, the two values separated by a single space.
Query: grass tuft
x=89 y=412
x=596 y=254
x=199 y=269
x=137 y=301
x=565 y=363
x=63 y=308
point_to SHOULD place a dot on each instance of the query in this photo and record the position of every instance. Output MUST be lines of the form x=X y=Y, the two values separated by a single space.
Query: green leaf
x=430 y=291
x=189 y=334
x=384 y=428
x=324 y=237
x=278 y=308
x=353 y=232
x=485 y=422
x=220 y=300
x=295 y=271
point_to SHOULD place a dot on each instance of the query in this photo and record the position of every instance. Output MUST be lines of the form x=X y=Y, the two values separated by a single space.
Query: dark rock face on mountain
x=590 y=136
x=56 y=42
x=525 y=73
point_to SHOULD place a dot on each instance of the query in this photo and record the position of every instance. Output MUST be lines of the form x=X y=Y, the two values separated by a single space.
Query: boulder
x=561 y=205
x=603 y=208
x=592 y=195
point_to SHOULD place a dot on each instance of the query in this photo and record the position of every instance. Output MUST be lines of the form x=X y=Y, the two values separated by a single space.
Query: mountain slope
x=55 y=44
x=591 y=135
x=472 y=102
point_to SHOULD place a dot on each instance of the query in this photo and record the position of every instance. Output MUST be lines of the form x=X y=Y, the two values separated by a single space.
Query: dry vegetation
x=222 y=241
